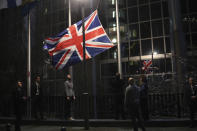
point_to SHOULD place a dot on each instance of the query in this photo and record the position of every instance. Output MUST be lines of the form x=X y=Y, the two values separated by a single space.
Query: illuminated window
x=114 y=14
x=114 y=28
x=113 y=2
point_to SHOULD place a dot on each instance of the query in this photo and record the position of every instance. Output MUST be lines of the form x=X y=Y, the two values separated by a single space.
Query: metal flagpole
x=29 y=65
x=118 y=41
x=86 y=108
x=69 y=24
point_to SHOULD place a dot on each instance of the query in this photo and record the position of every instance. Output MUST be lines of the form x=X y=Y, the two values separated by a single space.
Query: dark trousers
x=144 y=109
x=192 y=112
x=18 y=113
x=119 y=107
x=136 y=118
x=68 y=107
x=37 y=107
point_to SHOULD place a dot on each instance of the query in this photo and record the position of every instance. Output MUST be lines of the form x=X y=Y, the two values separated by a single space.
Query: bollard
x=8 y=126
x=86 y=111
x=63 y=128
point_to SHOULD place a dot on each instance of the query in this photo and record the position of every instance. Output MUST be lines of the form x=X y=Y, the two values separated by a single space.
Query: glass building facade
x=144 y=29
x=145 y=33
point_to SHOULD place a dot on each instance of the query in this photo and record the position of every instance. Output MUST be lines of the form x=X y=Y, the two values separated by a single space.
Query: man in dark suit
x=37 y=98
x=118 y=90
x=132 y=104
x=144 y=97
x=19 y=98
x=191 y=99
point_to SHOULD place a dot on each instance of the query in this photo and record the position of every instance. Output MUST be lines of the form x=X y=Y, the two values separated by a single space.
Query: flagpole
x=69 y=24
x=118 y=41
x=85 y=75
x=29 y=64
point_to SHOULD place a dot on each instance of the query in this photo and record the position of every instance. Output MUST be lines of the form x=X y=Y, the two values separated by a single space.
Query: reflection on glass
x=113 y=2
x=143 y=1
x=167 y=26
x=158 y=45
x=154 y=0
x=165 y=9
x=146 y=47
x=132 y=2
x=144 y=13
x=157 y=28
x=122 y=4
x=124 y=49
x=145 y=30
x=133 y=67
x=114 y=14
x=123 y=15
x=134 y=48
x=133 y=17
x=168 y=65
x=168 y=47
x=155 y=53
x=159 y=65
x=156 y=11
x=113 y=53
x=133 y=31
x=114 y=40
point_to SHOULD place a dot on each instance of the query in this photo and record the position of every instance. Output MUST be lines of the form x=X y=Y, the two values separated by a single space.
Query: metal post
x=178 y=42
x=152 y=45
x=86 y=111
x=83 y=27
x=86 y=108
x=69 y=13
x=29 y=66
x=118 y=41
x=94 y=72
x=69 y=24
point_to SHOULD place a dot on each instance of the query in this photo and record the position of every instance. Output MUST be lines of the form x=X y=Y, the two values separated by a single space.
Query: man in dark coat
x=191 y=99
x=19 y=98
x=132 y=104
x=144 y=97
x=37 y=98
x=118 y=90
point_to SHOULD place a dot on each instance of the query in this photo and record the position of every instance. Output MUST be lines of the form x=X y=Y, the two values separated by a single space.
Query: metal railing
x=161 y=105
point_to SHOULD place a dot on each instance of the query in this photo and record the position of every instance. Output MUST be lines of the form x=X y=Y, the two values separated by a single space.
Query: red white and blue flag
x=147 y=64
x=66 y=48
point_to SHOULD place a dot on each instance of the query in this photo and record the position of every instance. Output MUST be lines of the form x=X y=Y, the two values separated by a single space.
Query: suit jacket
x=132 y=98
x=69 y=91
x=143 y=92
x=18 y=95
x=118 y=87
x=189 y=92
x=36 y=89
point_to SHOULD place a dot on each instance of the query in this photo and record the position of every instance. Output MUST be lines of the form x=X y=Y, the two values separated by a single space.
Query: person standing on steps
x=69 y=97
x=132 y=104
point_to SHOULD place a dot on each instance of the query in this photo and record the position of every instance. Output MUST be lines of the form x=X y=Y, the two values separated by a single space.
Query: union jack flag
x=147 y=64
x=66 y=48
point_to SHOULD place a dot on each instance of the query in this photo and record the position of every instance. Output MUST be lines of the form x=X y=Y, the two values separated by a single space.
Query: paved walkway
x=47 y=128
x=58 y=128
